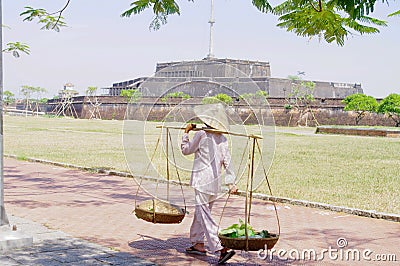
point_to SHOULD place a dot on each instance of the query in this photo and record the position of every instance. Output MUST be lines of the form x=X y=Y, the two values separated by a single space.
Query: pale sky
x=99 y=47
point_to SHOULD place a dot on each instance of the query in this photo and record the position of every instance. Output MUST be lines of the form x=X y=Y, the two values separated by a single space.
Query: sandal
x=225 y=256
x=193 y=250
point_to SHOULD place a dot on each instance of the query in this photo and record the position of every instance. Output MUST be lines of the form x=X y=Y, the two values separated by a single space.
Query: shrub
x=177 y=94
x=221 y=97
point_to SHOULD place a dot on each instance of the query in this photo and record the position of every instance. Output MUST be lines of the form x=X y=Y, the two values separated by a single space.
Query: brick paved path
x=55 y=248
x=98 y=208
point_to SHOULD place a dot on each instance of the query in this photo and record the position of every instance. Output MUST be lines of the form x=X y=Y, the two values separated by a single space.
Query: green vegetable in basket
x=236 y=230
x=265 y=234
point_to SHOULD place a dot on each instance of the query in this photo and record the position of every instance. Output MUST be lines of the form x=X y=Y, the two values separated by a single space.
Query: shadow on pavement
x=172 y=251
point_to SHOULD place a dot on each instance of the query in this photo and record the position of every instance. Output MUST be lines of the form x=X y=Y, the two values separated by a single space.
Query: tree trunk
x=359 y=117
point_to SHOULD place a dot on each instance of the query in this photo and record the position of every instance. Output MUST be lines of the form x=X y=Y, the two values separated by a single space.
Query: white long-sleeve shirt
x=211 y=154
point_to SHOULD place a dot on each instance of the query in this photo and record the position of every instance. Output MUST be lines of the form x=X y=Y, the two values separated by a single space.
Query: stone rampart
x=327 y=111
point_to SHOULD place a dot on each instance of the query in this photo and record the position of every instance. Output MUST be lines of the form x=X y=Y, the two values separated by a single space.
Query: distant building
x=69 y=86
x=211 y=76
x=117 y=87
x=67 y=91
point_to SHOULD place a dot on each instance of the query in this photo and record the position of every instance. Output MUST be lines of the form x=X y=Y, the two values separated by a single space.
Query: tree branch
x=319 y=9
x=60 y=13
x=61 y=10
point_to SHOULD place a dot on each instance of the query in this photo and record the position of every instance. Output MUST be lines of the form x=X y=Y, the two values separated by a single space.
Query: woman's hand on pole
x=189 y=127
x=233 y=189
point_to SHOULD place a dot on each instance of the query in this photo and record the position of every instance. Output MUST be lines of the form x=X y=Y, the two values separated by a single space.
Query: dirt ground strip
x=98 y=208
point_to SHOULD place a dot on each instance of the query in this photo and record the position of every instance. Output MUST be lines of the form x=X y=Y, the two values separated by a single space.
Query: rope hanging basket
x=156 y=211
x=232 y=237
x=251 y=244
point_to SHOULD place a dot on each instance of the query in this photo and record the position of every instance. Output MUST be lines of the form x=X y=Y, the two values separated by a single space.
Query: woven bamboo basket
x=160 y=212
x=255 y=244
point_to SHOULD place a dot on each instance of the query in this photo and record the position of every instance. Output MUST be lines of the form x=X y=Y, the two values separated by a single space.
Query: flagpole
x=211 y=21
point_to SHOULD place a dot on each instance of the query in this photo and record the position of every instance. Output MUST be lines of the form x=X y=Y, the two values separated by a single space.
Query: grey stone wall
x=235 y=86
x=326 y=111
x=279 y=87
x=230 y=76
x=214 y=68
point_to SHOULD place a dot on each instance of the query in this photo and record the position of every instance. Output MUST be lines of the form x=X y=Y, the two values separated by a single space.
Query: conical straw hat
x=213 y=115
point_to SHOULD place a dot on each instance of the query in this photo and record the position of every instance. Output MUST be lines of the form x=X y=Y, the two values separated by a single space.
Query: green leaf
x=328 y=21
x=265 y=234
x=360 y=102
x=137 y=7
x=390 y=106
x=15 y=48
x=233 y=226
x=262 y=5
x=228 y=231
x=161 y=10
x=397 y=13
x=32 y=13
x=356 y=8
x=49 y=21
x=131 y=95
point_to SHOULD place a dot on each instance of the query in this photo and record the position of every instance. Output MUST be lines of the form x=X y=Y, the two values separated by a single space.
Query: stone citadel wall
x=327 y=111
x=230 y=76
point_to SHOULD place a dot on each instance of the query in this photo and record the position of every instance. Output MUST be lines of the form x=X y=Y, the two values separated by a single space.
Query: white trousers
x=203 y=224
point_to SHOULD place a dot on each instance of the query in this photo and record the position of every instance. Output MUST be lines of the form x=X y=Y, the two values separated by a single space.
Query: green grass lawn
x=352 y=171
